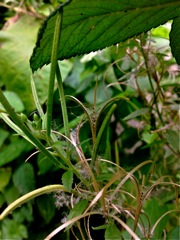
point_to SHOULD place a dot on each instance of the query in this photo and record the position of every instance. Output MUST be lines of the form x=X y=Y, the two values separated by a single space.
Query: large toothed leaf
x=175 y=39
x=91 y=25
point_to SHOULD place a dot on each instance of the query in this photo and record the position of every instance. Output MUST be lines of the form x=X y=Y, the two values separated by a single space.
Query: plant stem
x=36 y=99
x=31 y=195
x=63 y=105
x=54 y=54
x=151 y=83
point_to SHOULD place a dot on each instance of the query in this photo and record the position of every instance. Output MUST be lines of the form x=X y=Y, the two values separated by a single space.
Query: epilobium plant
x=91 y=184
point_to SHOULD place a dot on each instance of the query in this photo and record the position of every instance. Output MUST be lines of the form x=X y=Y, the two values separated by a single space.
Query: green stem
x=100 y=134
x=17 y=120
x=63 y=105
x=36 y=99
x=31 y=195
x=54 y=55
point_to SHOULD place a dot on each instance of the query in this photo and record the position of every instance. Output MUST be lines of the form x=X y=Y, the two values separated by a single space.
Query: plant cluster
x=105 y=127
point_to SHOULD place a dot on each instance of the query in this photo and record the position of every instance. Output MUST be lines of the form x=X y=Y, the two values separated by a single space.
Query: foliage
x=109 y=131
x=174 y=38
x=86 y=28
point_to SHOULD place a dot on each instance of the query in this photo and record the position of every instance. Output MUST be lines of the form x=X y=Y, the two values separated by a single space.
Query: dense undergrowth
x=108 y=156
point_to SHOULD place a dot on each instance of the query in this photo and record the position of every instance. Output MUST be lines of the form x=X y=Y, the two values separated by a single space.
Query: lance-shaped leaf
x=92 y=25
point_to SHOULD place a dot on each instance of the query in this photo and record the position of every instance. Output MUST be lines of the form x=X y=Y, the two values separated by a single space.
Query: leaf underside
x=91 y=26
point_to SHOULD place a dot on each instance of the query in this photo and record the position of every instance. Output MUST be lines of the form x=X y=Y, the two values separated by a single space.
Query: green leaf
x=2 y=200
x=149 y=137
x=104 y=177
x=175 y=39
x=15 y=71
x=161 y=32
x=13 y=150
x=3 y=135
x=4 y=37
x=112 y=233
x=13 y=230
x=41 y=78
x=5 y=175
x=11 y=194
x=23 y=213
x=136 y=113
x=27 y=211
x=24 y=178
x=173 y=138
x=92 y=26
x=101 y=96
x=77 y=210
x=46 y=208
x=14 y=100
x=67 y=180
x=174 y=234
x=43 y=164
x=154 y=210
